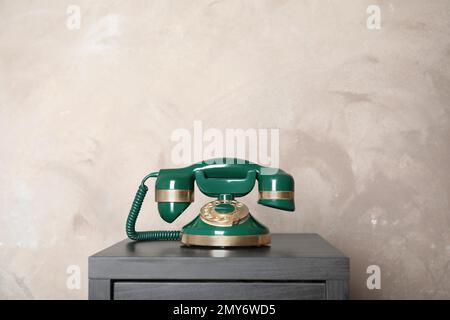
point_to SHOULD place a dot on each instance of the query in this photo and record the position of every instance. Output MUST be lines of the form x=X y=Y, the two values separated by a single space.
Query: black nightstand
x=295 y=266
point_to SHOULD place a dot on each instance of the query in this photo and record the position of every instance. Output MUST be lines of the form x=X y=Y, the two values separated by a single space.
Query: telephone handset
x=224 y=222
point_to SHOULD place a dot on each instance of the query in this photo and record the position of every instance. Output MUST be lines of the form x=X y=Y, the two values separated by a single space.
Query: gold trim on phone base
x=226 y=241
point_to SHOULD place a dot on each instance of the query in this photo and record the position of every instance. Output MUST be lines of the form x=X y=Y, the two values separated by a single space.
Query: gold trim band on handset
x=177 y=195
x=276 y=195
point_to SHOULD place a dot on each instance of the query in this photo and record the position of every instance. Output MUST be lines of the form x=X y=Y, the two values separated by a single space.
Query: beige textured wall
x=363 y=118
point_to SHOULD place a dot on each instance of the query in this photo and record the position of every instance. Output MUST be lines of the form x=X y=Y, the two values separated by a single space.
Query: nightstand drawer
x=218 y=290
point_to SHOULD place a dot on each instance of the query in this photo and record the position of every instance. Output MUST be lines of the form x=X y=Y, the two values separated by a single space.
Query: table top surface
x=289 y=245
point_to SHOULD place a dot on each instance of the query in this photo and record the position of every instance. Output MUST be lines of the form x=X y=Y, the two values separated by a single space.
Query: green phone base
x=225 y=223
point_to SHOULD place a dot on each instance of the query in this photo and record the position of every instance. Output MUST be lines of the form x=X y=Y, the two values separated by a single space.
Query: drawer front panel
x=218 y=290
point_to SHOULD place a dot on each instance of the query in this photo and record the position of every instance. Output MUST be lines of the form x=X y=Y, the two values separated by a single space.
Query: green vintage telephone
x=224 y=222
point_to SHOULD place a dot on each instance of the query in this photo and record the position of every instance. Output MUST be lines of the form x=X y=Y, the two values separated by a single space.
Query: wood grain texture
x=337 y=289
x=218 y=291
x=100 y=289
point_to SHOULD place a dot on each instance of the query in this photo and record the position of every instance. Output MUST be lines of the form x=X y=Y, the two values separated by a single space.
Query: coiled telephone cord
x=134 y=213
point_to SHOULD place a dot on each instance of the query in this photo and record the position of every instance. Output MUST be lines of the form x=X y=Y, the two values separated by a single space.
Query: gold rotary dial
x=210 y=215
